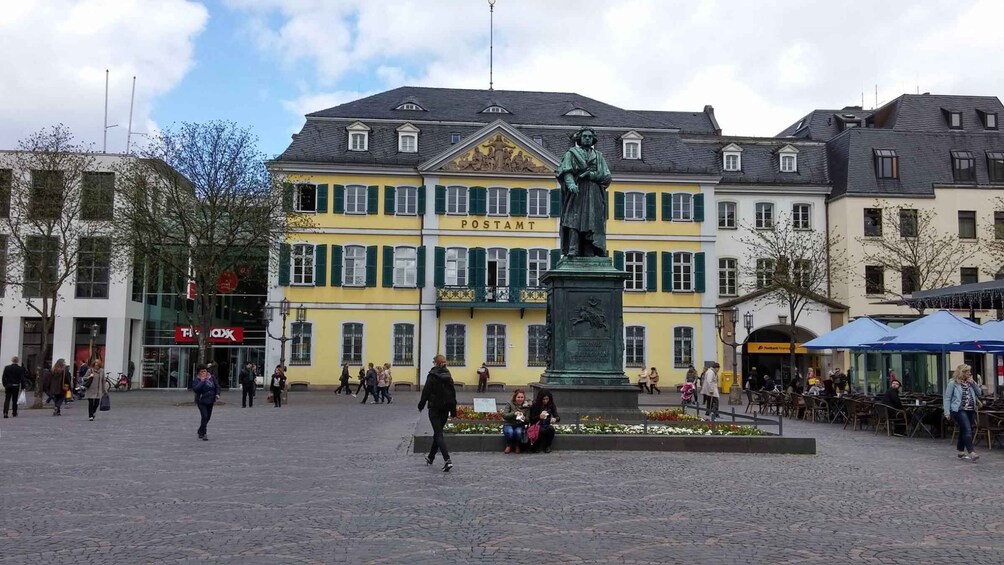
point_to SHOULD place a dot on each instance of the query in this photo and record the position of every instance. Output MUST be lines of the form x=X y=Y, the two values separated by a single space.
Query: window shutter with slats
x=338 y=199
x=420 y=280
x=667 y=206
x=320 y=265
x=650 y=271
x=421 y=200
x=517 y=202
x=555 y=203
x=699 y=272
x=440 y=198
x=371 y=265
x=698 y=207
x=388 y=200
x=667 y=271
x=439 y=264
x=336 y=265
x=322 y=199
x=284 y=252
x=517 y=268
x=388 y=266
x=649 y=206
x=372 y=199
x=618 y=205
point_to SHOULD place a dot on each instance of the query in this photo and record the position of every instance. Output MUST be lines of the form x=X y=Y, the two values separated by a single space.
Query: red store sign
x=186 y=334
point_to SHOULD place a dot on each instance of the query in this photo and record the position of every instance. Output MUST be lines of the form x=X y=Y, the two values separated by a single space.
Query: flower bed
x=622 y=429
x=465 y=412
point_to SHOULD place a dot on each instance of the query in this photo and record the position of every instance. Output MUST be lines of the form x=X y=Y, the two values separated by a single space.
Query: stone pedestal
x=585 y=321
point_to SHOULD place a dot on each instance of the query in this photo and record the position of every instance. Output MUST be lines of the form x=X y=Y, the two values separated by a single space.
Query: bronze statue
x=584 y=178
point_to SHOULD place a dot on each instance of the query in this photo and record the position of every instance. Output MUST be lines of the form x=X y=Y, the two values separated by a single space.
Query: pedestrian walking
x=96 y=385
x=483 y=375
x=247 y=385
x=277 y=385
x=709 y=389
x=371 y=383
x=653 y=381
x=207 y=391
x=14 y=379
x=56 y=383
x=959 y=403
x=643 y=381
x=362 y=380
x=388 y=381
x=344 y=381
x=441 y=396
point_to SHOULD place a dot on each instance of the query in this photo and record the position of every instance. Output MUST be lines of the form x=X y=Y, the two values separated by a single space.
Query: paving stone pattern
x=327 y=480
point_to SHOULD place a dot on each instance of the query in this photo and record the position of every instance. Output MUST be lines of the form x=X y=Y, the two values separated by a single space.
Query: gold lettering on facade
x=499 y=225
x=500 y=155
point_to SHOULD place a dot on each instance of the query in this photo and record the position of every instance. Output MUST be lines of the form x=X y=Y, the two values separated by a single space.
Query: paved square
x=327 y=480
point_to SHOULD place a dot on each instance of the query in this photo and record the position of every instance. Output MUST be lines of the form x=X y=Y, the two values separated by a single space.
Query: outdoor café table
x=838 y=408
x=917 y=414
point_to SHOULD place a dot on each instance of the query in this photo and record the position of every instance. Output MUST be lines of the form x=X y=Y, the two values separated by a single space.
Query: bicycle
x=122 y=384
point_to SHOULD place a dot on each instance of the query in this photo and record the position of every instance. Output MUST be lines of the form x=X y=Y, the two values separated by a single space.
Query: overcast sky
x=264 y=63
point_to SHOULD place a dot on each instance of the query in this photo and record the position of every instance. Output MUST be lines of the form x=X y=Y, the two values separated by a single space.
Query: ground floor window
x=634 y=346
x=495 y=345
x=456 y=344
x=352 y=344
x=299 y=353
x=536 y=346
x=404 y=344
x=683 y=347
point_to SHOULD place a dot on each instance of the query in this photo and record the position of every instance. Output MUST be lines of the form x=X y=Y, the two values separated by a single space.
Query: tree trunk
x=38 y=402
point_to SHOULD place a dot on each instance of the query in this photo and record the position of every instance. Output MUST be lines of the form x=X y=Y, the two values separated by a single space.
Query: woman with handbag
x=543 y=414
x=94 y=380
x=960 y=403
x=277 y=385
x=516 y=416
x=56 y=383
x=653 y=380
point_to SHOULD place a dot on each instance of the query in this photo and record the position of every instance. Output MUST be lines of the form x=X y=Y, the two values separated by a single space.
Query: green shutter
x=440 y=199
x=476 y=266
x=336 y=265
x=322 y=199
x=699 y=272
x=388 y=266
x=479 y=201
x=650 y=271
x=320 y=265
x=439 y=264
x=667 y=206
x=698 y=207
x=555 y=257
x=619 y=260
x=372 y=199
x=420 y=277
x=618 y=205
x=287 y=197
x=338 y=199
x=389 y=209
x=517 y=202
x=517 y=268
x=421 y=200
x=650 y=206
x=371 y=265
x=667 y=271
x=555 y=203
x=284 y=251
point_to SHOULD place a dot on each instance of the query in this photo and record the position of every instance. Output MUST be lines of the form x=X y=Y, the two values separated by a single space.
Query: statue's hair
x=578 y=134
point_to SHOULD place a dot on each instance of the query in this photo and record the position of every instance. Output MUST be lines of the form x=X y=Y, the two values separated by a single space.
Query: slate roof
x=686 y=122
x=760 y=160
x=822 y=125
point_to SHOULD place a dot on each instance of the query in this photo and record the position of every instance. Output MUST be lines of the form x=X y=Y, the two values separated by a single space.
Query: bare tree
x=907 y=241
x=57 y=216
x=198 y=204
x=792 y=268
x=994 y=242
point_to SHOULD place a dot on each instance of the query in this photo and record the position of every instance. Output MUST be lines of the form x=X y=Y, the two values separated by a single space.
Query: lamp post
x=269 y=312
x=95 y=328
x=735 y=393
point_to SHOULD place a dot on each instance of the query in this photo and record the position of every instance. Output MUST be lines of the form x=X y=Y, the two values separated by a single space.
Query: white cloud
x=54 y=54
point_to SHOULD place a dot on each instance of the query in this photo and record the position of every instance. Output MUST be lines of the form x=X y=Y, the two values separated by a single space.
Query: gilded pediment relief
x=497 y=154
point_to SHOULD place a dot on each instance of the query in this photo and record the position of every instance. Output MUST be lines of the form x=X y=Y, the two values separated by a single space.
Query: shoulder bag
x=533 y=432
x=106 y=403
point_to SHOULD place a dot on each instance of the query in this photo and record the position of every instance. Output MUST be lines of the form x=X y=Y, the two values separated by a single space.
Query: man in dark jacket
x=891 y=398
x=370 y=382
x=247 y=386
x=207 y=390
x=441 y=396
x=14 y=377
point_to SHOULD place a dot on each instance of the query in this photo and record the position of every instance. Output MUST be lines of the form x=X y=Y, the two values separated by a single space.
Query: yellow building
x=435 y=215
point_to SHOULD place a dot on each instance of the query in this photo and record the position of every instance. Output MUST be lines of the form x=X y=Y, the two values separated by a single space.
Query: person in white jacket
x=709 y=388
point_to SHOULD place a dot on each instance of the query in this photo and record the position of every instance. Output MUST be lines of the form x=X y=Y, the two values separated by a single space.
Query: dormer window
x=407 y=139
x=454 y=138
x=578 y=112
x=788 y=159
x=410 y=106
x=732 y=158
x=953 y=118
x=539 y=140
x=495 y=109
x=359 y=137
x=631 y=145
x=989 y=119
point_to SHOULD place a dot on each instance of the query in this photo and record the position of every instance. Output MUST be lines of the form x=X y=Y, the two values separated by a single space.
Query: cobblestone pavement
x=327 y=480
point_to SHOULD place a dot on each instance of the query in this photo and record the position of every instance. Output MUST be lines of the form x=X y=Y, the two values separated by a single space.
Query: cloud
x=54 y=56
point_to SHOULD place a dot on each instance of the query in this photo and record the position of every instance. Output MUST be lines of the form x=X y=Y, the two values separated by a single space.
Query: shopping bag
x=22 y=399
x=106 y=403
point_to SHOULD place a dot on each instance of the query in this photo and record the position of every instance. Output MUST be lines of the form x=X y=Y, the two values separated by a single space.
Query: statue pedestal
x=585 y=320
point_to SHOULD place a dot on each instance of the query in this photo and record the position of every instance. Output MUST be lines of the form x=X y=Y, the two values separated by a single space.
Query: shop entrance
x=767 y=349
x=172 y=367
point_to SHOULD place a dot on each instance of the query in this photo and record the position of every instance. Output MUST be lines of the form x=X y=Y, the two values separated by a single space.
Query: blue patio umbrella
x=938 y=332
x=851 y=336
x=989 y=338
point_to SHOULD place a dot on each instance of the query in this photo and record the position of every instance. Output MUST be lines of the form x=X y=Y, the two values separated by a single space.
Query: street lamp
x=735 y=394
x=268 y=312
x=95 y=328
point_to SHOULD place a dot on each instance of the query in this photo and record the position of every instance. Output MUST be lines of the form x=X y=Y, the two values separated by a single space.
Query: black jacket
x=14 y=375
x=891 y=398
x=247 y=378
x=439 y=392
x=536 y=409
x=206 y=391
x=371 y=377
x=345 y=375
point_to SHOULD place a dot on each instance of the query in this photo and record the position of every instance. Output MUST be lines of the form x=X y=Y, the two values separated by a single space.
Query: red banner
x=185 y=334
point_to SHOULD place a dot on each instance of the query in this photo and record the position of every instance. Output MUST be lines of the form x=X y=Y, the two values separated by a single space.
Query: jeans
x=247 y=396
x=206 y=412
x=370 y=391
x=345 y=386
x=277 y=397
x=92 y=406
x=482 y=384
x=438 y=420
x=360 y=387
x=710 y=403
x=965 y=420
x=513 y=434
x=383 y=393
x=10 y=394
x=57 y=401
x=546 y=436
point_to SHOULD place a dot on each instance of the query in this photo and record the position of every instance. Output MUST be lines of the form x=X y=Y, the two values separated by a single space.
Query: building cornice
x=808 y=190
x=482 y=124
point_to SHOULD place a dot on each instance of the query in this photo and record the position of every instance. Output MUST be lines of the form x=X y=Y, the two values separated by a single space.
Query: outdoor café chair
x=889 y=416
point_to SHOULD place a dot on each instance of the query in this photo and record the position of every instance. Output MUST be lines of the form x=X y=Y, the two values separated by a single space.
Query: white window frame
x=634 y=266
x=407 y=138
x=403 y=361
x=680 y=361
x=405 y=267
x=355 y=207
x=296 y=354
x=362 y=343
x=358 y=129
x=447 y=346
x=410 y=106
x=406 y=201
x=357 y=268
x=457 y=197
x=629 y=358
x=501 y=258
x=458 y=257
x=683 y=271
x=301 y=258
x=786 y=153
x=682 y=206
x=735 y=214
x=496 y=341
x=801 y=220
x=761 y=215
x=539 y=207
x=732 y=150
x=537 y=263
x=728 y=274
x=297 y=191
x=498 y=201
x=631 y=145
x=764 y=272
x=541 y=360
x=629 y=210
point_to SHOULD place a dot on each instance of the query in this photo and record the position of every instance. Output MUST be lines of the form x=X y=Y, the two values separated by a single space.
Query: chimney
x=710 y=111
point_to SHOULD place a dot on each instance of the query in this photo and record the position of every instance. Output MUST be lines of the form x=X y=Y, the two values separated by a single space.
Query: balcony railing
x=491 y=296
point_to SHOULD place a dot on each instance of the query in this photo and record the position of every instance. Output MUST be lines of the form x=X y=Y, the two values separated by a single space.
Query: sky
x=263 y=64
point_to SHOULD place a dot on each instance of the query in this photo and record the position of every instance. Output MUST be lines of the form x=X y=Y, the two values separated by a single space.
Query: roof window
x=578 y=112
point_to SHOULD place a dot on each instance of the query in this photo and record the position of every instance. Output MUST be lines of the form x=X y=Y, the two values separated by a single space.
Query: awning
x=851 y=336
x=987 y=295
x=938 y=332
